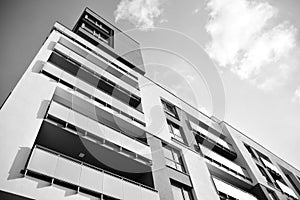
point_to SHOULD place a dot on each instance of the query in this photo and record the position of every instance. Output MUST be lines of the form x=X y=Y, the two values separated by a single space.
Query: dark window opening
x=264 y=173
x=272 y=195
x=250 y=150
x=176 y=132
x=170 y=109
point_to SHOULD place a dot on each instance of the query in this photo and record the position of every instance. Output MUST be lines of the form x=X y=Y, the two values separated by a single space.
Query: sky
x=235 y=59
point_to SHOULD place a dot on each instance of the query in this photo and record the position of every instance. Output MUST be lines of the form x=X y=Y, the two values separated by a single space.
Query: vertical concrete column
x=190 y=138
x=160 y=175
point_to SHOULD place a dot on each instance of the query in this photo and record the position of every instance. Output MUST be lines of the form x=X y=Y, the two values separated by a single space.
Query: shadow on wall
x=51 y=45
x=43 y=109
x=38 y=66
x=19 y=163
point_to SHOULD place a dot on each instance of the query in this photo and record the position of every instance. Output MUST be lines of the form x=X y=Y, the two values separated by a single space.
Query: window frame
x=185 y=191
x=251 y=151
x=177 y=135
x=169 y=108
x=265 y=174
x=101 y=30
x=176 y=160
x=272 y=195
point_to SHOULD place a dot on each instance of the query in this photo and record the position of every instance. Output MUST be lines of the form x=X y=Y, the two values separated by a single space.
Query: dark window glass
x=272 y=195
x=170 y=109
x=263 y=172
x=250 y=151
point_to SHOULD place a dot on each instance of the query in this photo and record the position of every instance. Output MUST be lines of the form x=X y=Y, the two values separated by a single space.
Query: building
x=78 y=125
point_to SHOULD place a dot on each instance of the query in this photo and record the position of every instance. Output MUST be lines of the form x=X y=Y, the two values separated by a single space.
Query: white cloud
x=296 y=97
x=142 y=13
x=163 y=21
x=244 y=41
x=196 y=11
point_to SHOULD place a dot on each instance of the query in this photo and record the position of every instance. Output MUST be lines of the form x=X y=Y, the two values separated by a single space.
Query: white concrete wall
x=20 y=120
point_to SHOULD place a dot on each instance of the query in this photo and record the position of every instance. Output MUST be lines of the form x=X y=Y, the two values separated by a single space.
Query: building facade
x=84 y=122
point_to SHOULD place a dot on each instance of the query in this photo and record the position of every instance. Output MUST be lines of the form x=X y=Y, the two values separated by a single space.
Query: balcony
x=83 y=149
x=63 y=170
x=76 y=122
x=101 y=114
x=215 y=146
x=230 y=192
x=98 y=68
x=225 y=164
x=100 y=61
x=87 y=91
x=103 y=84
x=203 y=128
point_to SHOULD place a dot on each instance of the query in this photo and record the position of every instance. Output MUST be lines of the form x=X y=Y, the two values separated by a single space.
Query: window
x=173 y=158
x=180 y=192
x=286 y=190
x=272 y=195
x=175 y=131
x=293 y=183
x=263 y=172
x=102 y=32
x=170 y=109
x=250 y=151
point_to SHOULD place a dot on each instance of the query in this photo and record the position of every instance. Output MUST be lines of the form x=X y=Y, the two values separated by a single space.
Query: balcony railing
x=100 y=82
x=57 y=168
x=100 y=61
x=89 y=48
x=230 y=192
x=68 y=116
x=216 y=146
x=271 y=167
x=226 y=164
x=65 y=79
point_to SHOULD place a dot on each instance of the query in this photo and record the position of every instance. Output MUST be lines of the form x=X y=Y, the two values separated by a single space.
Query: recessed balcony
x=100 y=61
x=62 y=170
x=78 y=123
x=101 y=114
x=90 y=152
x=225 y=165
x=74 y=68
x=215 y=146
x=226 y=191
